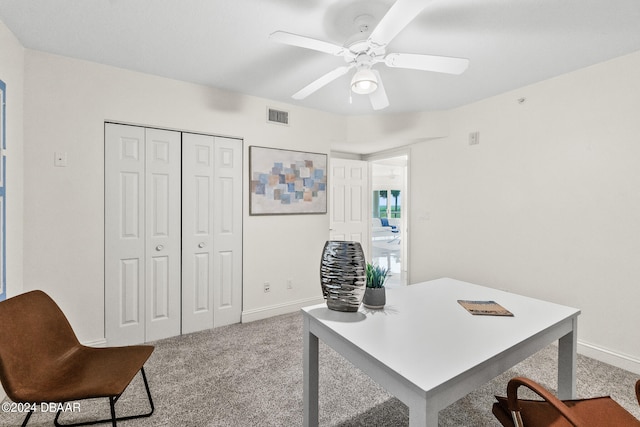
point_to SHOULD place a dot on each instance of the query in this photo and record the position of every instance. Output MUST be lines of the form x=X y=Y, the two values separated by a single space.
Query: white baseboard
x=613 y=358
x=278 y=309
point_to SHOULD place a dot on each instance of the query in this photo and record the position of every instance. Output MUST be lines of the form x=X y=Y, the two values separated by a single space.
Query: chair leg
x=146 y=386
x=26 y=419
x=112 y=403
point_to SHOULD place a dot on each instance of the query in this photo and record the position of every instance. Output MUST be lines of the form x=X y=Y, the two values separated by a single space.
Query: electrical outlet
x=267 y=287
x=290 y=284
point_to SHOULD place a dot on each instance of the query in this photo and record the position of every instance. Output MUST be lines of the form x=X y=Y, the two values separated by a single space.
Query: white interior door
x=163 y=234
x=227 y=231
x=197 y=232
x=124 y=234
x=349 y=201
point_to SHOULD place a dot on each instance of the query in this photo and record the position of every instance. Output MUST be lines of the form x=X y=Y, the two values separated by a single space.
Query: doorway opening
x=389 y=198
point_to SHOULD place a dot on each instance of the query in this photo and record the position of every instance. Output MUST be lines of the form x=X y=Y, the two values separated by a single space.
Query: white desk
x=428 y=351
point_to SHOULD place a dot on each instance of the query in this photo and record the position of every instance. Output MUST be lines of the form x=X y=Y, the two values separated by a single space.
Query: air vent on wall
x=277 y=116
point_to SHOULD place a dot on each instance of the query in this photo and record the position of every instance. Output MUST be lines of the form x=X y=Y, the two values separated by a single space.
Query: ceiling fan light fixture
x=364 y=82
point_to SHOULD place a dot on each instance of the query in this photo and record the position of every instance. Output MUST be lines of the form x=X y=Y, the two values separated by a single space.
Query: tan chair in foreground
x=41 y=360
x=553 y=412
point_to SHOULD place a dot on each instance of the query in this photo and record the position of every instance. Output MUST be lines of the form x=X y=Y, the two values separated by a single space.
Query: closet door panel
x=163 y=233
x=129 y=292
x=124 y=234
x=197 y=232
x=225 y=295
x=227 y=231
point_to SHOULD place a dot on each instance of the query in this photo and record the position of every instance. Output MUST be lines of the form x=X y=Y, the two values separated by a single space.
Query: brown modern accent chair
x=41 y=360
x=553 y=412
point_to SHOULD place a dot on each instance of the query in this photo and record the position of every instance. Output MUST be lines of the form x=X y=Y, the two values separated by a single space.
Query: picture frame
x=287 y=182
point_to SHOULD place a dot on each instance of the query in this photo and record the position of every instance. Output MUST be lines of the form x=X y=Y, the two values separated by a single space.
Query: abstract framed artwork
x=283 y=182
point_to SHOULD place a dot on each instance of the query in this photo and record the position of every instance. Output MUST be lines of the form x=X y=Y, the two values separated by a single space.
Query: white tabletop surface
x=426 y=336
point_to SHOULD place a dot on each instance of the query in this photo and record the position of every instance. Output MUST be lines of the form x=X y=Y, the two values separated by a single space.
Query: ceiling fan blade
x=307 y=43
x=378 y=97
x=401 y=13
x=439 y=64
x=322 y=81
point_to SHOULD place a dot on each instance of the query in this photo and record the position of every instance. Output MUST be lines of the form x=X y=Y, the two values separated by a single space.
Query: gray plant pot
x=374 y=297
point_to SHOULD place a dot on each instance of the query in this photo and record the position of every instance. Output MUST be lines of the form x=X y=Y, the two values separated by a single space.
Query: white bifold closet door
x=211 y=232
x=142 y=234
x=173 y=233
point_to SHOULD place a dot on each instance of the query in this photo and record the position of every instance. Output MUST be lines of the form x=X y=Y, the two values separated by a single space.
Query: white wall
x=547 y=205
x=66 y=104
x=378 y=133
x=11 y=72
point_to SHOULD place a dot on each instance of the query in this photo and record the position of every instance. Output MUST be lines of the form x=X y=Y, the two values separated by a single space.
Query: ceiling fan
x=363 y=54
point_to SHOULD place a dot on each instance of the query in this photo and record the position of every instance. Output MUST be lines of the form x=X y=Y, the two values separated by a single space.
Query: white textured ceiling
x=225 y=43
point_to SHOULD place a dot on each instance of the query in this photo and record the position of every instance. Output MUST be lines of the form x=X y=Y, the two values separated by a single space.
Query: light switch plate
x=474 y=138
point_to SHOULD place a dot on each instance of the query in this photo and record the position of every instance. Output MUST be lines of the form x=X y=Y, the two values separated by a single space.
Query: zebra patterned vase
x=343 y=275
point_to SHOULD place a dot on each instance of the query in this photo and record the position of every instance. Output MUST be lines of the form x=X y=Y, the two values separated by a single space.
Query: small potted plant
x=374 y=293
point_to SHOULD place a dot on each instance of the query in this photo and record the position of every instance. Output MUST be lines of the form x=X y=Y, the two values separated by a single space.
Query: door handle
x=202 y=245
x=159 y=248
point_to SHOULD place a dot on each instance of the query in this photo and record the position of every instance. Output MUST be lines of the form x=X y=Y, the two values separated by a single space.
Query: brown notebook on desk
x=484 y=308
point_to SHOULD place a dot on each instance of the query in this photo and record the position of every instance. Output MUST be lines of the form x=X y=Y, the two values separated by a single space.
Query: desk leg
x=567 y=356
x=310 y=376
x=423 y=414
